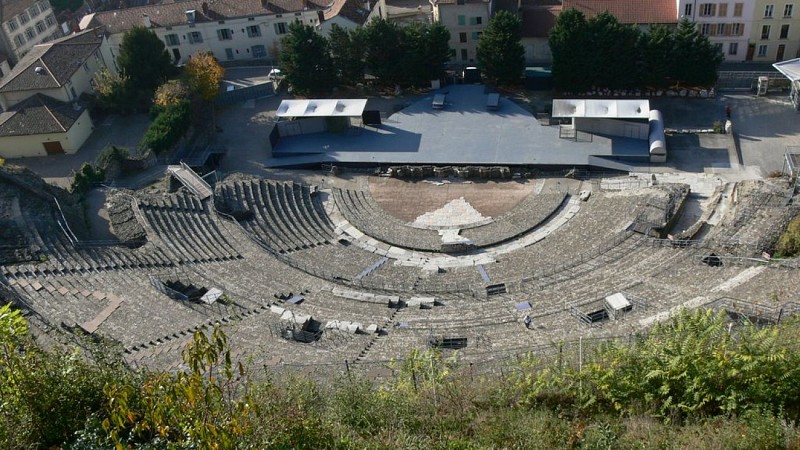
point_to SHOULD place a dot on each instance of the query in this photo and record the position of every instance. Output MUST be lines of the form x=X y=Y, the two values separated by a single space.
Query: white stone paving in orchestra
x=456 y=212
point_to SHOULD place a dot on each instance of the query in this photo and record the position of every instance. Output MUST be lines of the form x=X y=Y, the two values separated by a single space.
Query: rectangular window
x=12 y=25
x=50 y=20
x=737 y=9
x=44 y=6
x=195 y=37
x=476 y=35
x=253 y=31
x=280 y=28
x=462 y=20
x=172 y=40
x=464 y=54
x=259 y=51
x=224 y=34
x=707 y=9
x=720 y=29
x=768 y=10
x=24 y=18
x=784 y=32
x=40 y=27
x=762 y=50
x=736 y=29
x=33 y=11
x=452 y=53
x=705 y=29
x=733 y=48
x=718 y=47
x=723 y=10
x=687 y=10
x=765 y=32
x=229 y=53
x=19 y=40
x=475 y=20
x=787 y=10
x=30 y=34
x=462 y=37
x=85 y=67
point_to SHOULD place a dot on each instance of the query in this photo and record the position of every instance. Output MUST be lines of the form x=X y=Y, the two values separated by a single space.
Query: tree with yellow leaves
x=204 y=74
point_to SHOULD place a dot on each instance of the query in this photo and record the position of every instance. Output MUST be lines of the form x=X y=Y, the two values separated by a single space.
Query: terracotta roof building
x=641 y=12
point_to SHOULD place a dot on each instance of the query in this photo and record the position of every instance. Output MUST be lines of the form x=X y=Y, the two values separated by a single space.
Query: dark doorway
x=781 y=51
x=751 y=49
x=176 y=55
x=53 y=148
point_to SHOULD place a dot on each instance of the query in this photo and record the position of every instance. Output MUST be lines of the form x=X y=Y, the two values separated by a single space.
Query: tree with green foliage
x=66 y=5
x=348 y=49
x=658 y=56
x=46 y=396
x=384 y=50
x=501 y=56
x=603 y=53
x=199 y=408
x=789 y=242
x=168 y=128
x=113 y=92
x=305 y=60
x=86 y=178
x=614 y=56
x=427 y=49
x=144 y=60
x=696 y=59
x=571 y=47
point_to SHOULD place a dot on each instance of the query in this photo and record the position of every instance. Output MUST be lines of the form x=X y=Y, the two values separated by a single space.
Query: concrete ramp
x=189 y=178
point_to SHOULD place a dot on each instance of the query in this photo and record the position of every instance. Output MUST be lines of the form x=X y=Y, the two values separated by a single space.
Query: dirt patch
x=408 y=200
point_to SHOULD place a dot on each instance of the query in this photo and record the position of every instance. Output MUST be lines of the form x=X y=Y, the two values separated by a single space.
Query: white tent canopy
x=322 y=108
x=602 y=108
x=791 y=70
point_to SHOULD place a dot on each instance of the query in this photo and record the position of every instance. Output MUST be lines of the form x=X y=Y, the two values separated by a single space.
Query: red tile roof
x=537 y=21
x=641 y=12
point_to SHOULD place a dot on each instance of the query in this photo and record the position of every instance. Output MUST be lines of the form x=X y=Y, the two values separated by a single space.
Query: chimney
x=205 y=9
x=368 y=5
x=146 y=20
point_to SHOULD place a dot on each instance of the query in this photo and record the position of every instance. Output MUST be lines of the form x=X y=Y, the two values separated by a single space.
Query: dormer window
x=190 y=15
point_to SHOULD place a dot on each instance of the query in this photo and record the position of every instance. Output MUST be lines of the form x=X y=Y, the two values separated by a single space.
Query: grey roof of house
x=10 y=8
x=172 y=14
x=58 y=61
x=38 y=114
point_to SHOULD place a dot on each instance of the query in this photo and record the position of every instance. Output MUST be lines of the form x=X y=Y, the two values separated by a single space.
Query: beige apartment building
x=466 y=20
x=775 y=35
x=230 y=29
x=25 y=23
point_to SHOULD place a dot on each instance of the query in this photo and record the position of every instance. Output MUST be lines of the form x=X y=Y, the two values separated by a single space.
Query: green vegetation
x=692 y=382
x=305 y=60
x=501 y=56
x=85 y=178
x=66 y=5
x=602 y=53
x=409 y=55
x=168 y=127
x=789 y=242
x=144 y=65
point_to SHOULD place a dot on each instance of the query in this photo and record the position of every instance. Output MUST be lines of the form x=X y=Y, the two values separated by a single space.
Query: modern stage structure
x=468 y=127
